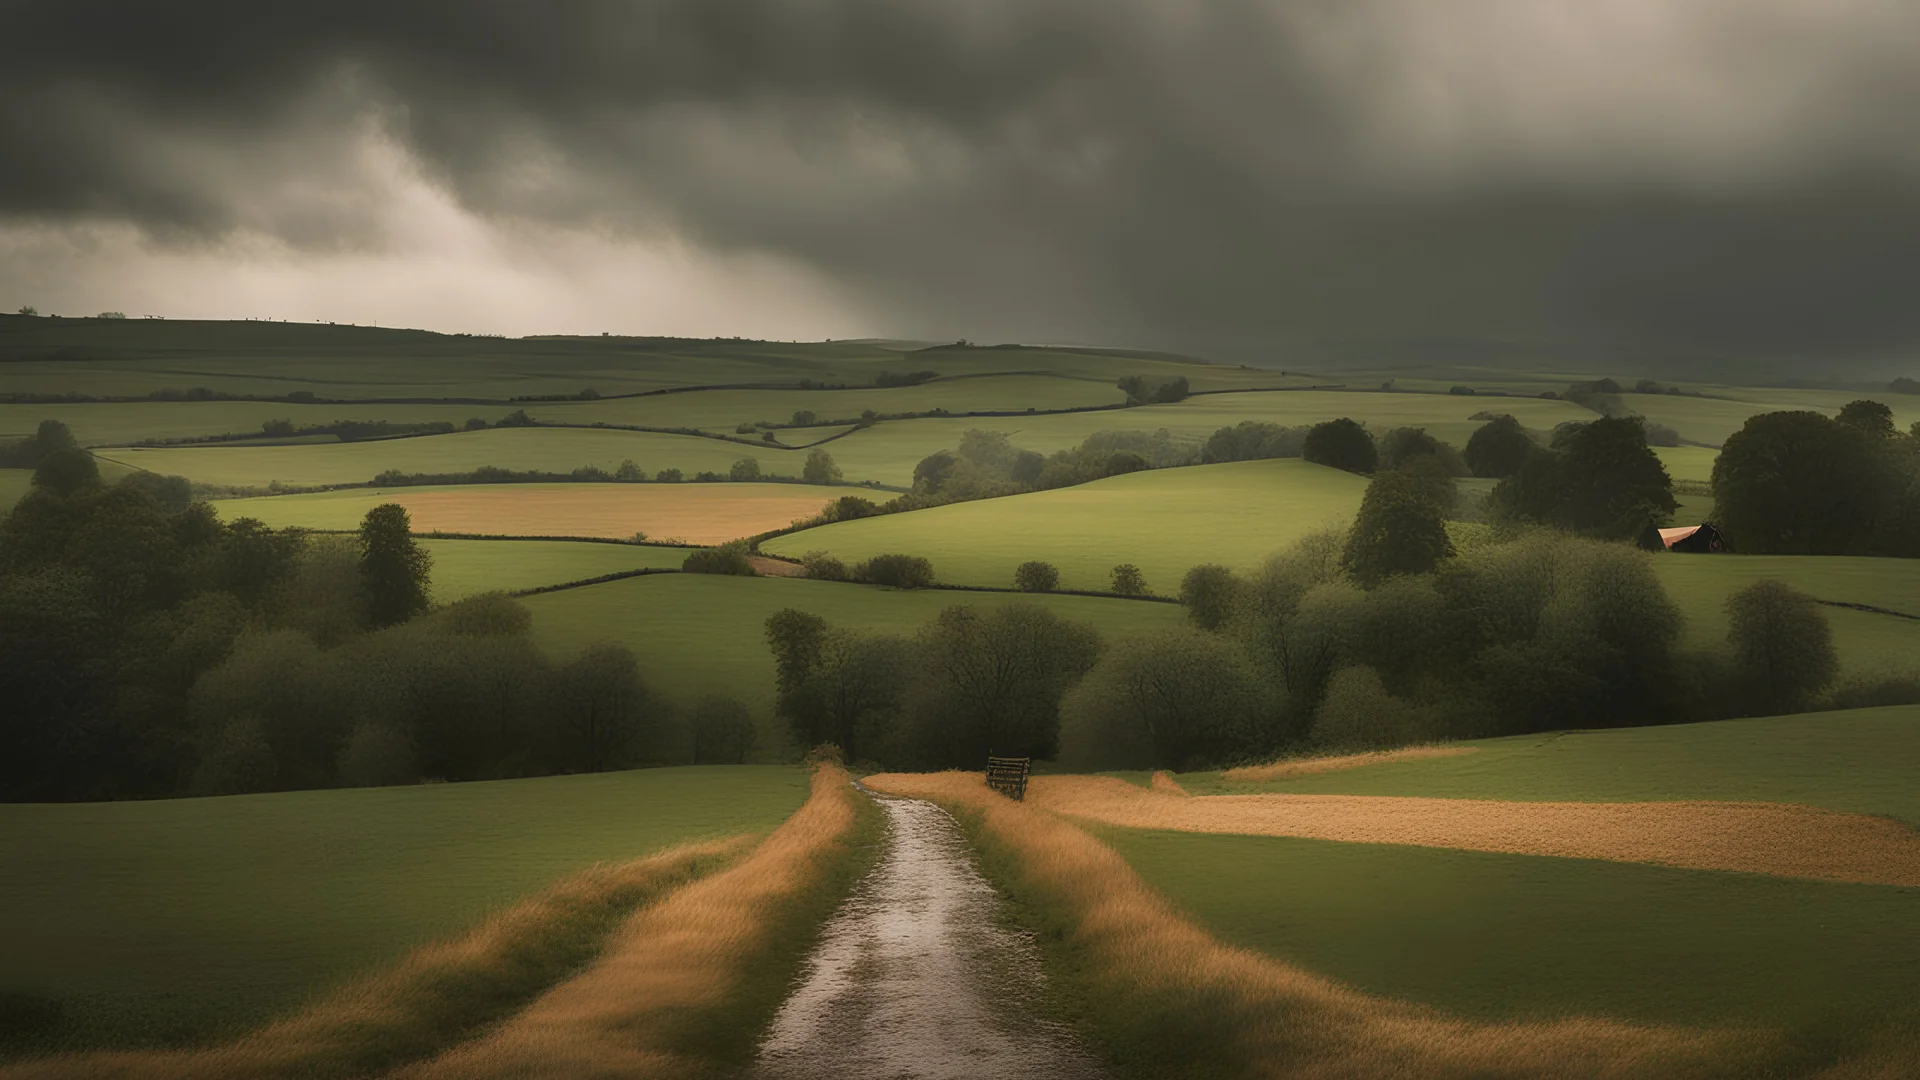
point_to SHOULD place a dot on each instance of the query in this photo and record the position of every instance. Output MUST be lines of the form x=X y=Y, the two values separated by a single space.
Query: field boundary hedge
x=618 y=575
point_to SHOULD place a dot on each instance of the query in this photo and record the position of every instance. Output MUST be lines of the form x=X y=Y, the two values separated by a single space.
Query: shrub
x=1359 y=714
x=729 y=558
x=1210 y=593
x=1036 y=576
x=1783 y=649
x=804 y=418
x=1176 y=700
x=1128 y=581
x=476 y=423
x=849 y=508
x=1498 y=447
x=1342 y=444
x=896 y=571
x=820 y=468
x=668 y=476
x=822 y=566
x=516 y=418
x=745 y=469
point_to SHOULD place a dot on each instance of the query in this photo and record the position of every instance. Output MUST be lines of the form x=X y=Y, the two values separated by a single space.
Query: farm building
x=1705 y=537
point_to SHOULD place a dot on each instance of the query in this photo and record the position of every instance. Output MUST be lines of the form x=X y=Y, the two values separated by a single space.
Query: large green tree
x=1343 y=444
x=1600 y=480
x=1799 y=483
x=1498 y=447
x=1401 y=529
x=394 y=568
x=1782 y=647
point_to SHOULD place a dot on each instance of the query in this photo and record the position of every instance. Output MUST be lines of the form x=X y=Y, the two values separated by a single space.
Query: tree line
x=149 y=649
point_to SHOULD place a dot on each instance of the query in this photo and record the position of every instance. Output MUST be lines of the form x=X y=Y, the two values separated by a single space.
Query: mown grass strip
x=1159 y=997
x=684 y=988
x=437 y=996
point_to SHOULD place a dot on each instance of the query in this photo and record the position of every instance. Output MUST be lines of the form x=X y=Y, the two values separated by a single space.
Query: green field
x=1688 y=463
x=467 y=567
x=1497 y=936
x=699 y=634
x=1860 y=760
x=1867 y=642
x=1165 y=521
x=184 y=918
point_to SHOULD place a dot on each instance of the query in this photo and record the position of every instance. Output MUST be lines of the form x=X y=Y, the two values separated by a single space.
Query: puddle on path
x=913 y=979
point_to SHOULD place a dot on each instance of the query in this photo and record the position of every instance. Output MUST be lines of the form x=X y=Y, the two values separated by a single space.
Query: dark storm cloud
x=1689 y=177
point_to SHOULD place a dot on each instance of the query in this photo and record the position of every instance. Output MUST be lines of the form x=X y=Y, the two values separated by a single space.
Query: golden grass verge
x=632 y=1013
x=1290 y=768
x=1781 y=839
x=1165 y=976
x=1165 y=784
x=435 y=996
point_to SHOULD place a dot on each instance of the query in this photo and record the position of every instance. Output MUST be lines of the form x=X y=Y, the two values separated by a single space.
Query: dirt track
x=1762 y=838
x=914 y=979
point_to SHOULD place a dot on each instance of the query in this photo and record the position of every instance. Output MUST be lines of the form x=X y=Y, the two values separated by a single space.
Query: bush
x=1177 y=700
x=729 y=559
x=1036 y=576
x=744 y=470
x=1210 y=593
x=820 y=468
x=849 y=508
x=1498 y=448
x=1127 y=580
x=896 y=571
x=1342 y=444
x=804 y=418
x=1359 y=714
x=668 y=476
x=1782 y=647
x=822 y=566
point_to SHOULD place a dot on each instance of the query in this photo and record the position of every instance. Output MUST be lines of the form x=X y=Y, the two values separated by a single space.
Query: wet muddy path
x=913 y=977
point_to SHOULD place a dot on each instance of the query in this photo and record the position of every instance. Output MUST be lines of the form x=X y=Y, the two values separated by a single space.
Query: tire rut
x=914 y=978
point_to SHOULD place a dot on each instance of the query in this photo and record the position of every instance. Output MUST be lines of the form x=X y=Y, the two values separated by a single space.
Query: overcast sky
x=1300 y=178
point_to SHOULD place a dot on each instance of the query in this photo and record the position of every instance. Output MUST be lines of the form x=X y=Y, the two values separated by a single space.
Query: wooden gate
x=1008 y=776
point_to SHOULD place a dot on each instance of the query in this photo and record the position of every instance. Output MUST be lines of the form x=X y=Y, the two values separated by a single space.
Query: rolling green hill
x=184 y=918
x=1860 y=760
x=1165 y=522
x=1499 y=937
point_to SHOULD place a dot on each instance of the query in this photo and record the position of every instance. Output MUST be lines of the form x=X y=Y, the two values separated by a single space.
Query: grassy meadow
x=469 y=567
x=1867 y=642
x=1497 y=937
x=1856 y=760
x=1164 y=521
x=693 y=513
x=180 y=919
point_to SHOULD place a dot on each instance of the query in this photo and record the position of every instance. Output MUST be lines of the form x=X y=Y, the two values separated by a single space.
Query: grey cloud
x=1675 y=177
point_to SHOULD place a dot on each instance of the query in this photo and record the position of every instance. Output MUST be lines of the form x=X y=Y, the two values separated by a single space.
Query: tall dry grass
x=1781 y=839
x=1166 y=999
x=1289 y=768
x=663 y=1000
x=436 y=996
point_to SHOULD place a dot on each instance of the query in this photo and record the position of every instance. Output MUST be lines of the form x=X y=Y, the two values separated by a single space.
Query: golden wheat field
x=1762 y=838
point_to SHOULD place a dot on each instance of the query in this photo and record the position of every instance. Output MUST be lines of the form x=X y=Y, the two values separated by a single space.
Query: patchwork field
x=1858 y=761
x=1504 y=937
x=1165 y=522
x=1867 y=642
x=468 y=567
x=162 y=921
x=694 y=513
x=697 y=633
